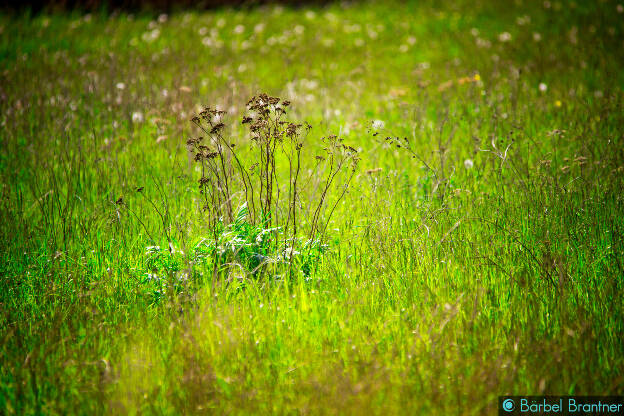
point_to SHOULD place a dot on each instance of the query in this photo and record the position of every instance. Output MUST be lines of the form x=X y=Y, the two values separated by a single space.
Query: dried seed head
x=216 y=128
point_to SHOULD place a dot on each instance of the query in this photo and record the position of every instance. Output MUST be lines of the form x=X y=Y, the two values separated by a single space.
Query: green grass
x=441 y=288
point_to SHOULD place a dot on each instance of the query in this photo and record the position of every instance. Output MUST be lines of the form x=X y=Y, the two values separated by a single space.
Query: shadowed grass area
x=476 y=252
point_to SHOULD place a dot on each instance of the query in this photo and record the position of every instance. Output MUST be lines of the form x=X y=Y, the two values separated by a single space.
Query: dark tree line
x=141 y=5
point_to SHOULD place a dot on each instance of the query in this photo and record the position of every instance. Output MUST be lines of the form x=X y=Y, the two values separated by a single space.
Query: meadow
x=445 y=230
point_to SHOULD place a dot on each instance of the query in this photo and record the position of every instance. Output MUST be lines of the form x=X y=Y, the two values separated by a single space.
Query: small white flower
x=403 y=48
x=239 y=29
x=378 y=124
x=468 y=164
x=537 y=37
x=310 y=15
x=474 y=32
x=163 y=18
x=137 y=117
x=619 y=8
x=259 y=28
x=151 y=277
x=299 y=30
x=542 y=87
x=151 y=36
x=120 y=86
x=504 y=37
x=483 y=43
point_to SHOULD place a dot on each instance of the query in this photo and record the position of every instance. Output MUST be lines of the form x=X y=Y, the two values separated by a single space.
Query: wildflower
x=542 y=87
x=137 y=117
x=352 y=28
x=483 y=43
x=537 y=37
x=378 y=124
x=468 y=164
x=120 y=86
x=151 y=35
x=477 y=77
x=504 y=37
x=239 y=29
x=445 y=85
x=152 y=277
x=397 y=92
x=558 y=103
x=619 y=8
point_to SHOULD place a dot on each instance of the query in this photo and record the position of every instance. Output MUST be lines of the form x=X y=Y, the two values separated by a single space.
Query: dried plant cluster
x=267 y=197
